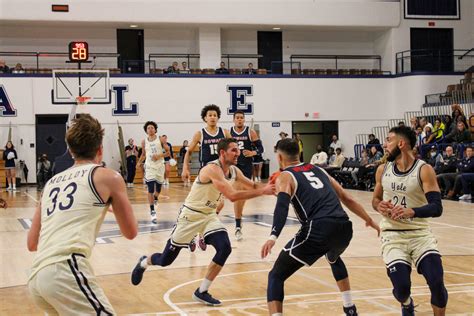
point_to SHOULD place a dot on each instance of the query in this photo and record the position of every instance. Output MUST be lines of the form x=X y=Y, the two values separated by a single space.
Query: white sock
x=277 y=314
x=205 y=285
x=144 y=263
x=407 y=302
x=347 y=298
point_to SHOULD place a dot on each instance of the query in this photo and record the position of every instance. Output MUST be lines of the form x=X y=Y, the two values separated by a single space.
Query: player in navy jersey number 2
x=325 y=226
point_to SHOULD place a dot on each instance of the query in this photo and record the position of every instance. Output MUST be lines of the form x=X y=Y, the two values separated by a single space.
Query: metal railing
x=171 y=57
x=40 y=57
x=336 y=59
x=428 y=60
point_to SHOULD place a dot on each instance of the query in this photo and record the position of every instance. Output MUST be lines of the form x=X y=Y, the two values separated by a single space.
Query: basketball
x=274 y=176
x=173 y=162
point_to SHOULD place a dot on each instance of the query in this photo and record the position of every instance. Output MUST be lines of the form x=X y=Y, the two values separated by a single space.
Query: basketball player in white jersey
x=248 y=140
x=208 y=138
x=67 y=221
x=407 y=195
x=198 y=215
x=154 y=150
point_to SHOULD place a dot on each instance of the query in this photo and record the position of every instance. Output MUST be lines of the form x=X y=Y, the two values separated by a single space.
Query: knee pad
x=167 y=257
x=432 y=269
x=220 y=241
x=399 y=274
x=339 y=270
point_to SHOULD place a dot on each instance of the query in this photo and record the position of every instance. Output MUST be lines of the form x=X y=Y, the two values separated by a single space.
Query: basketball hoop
x=82 y=100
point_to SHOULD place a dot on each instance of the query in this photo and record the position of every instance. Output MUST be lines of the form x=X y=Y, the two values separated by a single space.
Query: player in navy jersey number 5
x=325 y=226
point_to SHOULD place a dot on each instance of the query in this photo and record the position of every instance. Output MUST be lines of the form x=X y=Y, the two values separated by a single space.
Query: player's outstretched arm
x=245 y=182
x=214 y=173
x=34 y=232
x=434 y=208
x=285 y=187
x=187 y=157
x=378 y=204
x=354 y=206
x=111 y=188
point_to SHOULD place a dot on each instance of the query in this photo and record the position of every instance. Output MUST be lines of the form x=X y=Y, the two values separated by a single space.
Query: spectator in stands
x=182 y=153
x=419 y=136
x=359 y=172
x=173 y=69
x=339 y=159
x=438 y=132
x=416 y=153
x=283 y=135
x=452 y=181
x=185 y=68
x=467 y=180
x=9 y=155
x=3 y=67
x=320 y=158
x=250 y=70
x=434 y=158
x=373 y=140
x=448 y=123
x=335 y=143
x=44 y=171
x=414 y=123
x=167 y=160
x=300 y=144
x=222 y=70
x=448 y=163
x=18 y=69
x=460 y=135
x=374 y=157
x=331 y=156
x=131 y=154
x=183 y=150
x=456 y=111
x=424 y=123
x=429 y=136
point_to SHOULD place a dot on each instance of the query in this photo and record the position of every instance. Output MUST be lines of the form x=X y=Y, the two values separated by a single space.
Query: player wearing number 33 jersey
x=66 y=223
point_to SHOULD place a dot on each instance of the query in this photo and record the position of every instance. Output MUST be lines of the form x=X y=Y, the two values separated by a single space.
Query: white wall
x=398 y=39
x=358 y=104
x=325 y=42
x=248 y=12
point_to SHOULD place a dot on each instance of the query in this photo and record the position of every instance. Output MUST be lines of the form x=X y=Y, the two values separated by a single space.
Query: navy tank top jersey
x=243 y=140
x=208 y=151
x=315 y=198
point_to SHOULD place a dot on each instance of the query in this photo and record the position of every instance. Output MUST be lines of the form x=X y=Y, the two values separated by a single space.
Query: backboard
x=68 y=84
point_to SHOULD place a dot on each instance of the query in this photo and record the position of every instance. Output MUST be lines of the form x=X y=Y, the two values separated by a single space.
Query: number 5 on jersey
x=313 y=180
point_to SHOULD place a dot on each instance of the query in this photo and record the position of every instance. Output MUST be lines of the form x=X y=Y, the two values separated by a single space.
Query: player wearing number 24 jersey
x=406 y=194
x=67 y=221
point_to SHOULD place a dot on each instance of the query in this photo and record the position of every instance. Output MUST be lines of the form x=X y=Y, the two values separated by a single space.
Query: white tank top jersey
x=72 y=212
x=151 y=148
x=404 y=189
x=204 y=197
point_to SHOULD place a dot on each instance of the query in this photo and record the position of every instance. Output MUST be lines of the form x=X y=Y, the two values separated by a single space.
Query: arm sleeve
x=259 y=146
x=434 y=208
x=280 y=213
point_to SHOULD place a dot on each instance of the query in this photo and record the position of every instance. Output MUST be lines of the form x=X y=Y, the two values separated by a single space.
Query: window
x=432 y=9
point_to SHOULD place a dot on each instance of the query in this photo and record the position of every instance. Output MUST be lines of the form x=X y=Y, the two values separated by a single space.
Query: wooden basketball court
x=242 y=283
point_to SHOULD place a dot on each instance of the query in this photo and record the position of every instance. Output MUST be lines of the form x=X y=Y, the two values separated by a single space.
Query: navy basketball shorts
x=328 y=236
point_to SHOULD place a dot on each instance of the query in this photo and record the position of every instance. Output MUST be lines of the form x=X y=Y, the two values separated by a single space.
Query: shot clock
x=78 y=52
